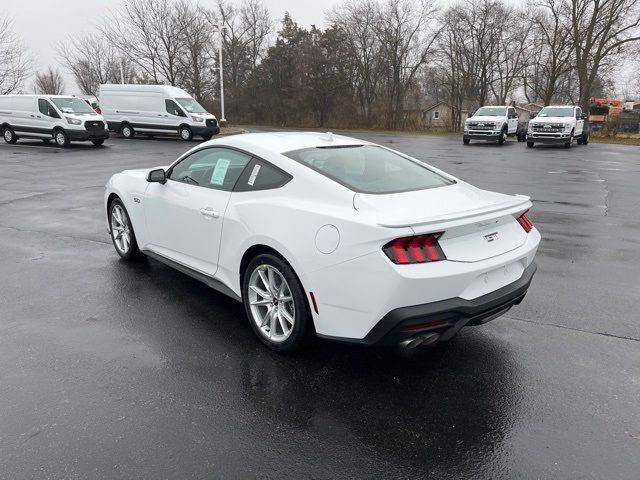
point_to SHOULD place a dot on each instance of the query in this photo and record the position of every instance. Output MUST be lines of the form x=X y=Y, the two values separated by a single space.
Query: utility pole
x=220 y=30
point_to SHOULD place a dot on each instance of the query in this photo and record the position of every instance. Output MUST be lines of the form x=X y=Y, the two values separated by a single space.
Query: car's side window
x=261 y=175
x=47 y=109
x=512 y=113
x=217 y=168
x=173 y=109
x=578 y=113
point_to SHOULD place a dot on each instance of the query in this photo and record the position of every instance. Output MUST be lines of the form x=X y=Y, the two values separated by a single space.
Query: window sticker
x=254 y=174
x=217 y=177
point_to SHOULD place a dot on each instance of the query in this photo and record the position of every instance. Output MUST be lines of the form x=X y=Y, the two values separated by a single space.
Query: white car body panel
x=355 y=284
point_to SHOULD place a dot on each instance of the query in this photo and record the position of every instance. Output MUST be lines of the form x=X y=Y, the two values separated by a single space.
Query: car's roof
x=560 y=106
x=282 y=142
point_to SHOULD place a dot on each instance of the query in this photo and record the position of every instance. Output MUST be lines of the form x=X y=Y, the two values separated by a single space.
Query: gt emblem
x=492 y=237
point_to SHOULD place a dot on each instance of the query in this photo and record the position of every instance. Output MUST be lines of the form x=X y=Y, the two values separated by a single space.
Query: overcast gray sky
x=42 y=23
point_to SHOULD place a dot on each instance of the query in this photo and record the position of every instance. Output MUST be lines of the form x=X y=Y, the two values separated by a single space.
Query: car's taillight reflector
x=417 y=249
x=524 y=221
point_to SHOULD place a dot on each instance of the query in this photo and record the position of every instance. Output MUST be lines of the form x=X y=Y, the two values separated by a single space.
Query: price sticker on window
x=217 y=177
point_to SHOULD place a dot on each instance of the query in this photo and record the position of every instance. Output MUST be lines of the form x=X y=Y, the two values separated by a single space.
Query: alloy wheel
x=60 y=139
x=120 y=229
x=271 y=303
x=8 y=135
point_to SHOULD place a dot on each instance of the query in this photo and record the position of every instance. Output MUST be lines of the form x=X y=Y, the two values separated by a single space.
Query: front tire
x=276 y=304
x=503 y=137
x=466 y=141
x=122 y=234
x=529 y=144
x=185 y=133
x=569 y=143
x=9 y=135
x=61 y=138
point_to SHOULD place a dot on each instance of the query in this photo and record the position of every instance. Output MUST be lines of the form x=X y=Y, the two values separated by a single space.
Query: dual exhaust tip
x=419 y=341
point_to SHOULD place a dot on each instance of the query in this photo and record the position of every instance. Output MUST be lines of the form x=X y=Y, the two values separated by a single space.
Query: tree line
x=376 y=64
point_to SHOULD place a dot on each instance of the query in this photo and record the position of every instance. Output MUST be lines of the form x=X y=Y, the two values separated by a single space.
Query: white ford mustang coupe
x=319 y=234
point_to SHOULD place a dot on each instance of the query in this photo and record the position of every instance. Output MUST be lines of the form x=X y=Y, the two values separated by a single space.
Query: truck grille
x=480 y=126
x=94 y=125
x=212 y=122
x=549 y=128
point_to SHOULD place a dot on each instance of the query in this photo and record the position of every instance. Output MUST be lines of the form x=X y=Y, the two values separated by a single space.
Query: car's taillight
x=418 y=249
x=524 y=221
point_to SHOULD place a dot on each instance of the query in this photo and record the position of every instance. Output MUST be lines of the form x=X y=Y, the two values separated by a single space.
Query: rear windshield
x=491 y=112
x=369 y=168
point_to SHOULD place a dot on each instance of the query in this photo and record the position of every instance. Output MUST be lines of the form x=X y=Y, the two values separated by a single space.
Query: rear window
x=369 y=169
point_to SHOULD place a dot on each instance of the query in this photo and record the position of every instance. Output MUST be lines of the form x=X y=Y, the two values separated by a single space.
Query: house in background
x=438 y=116
x=525 y=111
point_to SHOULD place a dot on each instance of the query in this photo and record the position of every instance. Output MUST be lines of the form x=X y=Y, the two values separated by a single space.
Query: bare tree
x=513 y=53
x=197 y=58
x=14 y=63
x=94 y=62
x=357 y=20
x=246 y=31
x=407 y=33
x=552 y=51
x=49 y=82
x=601 y=31
x=149 y=34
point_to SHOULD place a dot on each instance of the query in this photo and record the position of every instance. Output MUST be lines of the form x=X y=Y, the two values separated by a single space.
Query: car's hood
x=552 y=120
x=419 y=208
x=484 y=118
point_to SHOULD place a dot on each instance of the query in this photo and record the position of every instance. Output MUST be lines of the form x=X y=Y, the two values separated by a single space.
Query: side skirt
x=206 y=279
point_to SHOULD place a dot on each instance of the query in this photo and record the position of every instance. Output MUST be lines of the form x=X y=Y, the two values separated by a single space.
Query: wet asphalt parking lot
x=118 y=370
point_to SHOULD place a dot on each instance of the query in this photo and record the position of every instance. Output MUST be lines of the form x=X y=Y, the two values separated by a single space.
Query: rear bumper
x=447 y=317
x=84 y=135
x=548 y=137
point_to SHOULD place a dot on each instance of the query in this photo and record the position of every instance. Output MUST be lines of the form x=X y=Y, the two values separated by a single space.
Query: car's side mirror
x=583 y=116
x=157 y=176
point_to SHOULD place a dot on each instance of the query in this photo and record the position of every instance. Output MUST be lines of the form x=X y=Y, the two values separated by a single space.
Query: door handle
x=209 y=212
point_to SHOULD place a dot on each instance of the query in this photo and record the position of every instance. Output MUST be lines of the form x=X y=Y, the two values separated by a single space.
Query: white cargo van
x=155 y=110
x=58 y=117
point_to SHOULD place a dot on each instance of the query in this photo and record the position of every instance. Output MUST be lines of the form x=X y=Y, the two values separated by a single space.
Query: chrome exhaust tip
x=410 y=343
x=429 y=339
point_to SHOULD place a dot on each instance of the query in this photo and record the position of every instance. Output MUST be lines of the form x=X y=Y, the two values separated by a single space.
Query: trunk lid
x=477 y=224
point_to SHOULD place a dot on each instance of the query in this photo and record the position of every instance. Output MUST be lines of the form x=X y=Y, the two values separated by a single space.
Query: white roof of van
x=129 y=87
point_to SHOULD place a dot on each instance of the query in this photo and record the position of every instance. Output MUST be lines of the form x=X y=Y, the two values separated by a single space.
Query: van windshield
x=369 y=168
x=72 y=105
x=190 y=105
x=491 y=112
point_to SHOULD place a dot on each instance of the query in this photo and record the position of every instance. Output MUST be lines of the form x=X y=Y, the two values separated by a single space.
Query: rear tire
x=97 y=143
x=585 y=138
x=268 y=312
x=127 y=131
x=9 y=135
x=122 y=234
x=185 y=133
x=207 y=137
x=61 y=138
x=529 y=144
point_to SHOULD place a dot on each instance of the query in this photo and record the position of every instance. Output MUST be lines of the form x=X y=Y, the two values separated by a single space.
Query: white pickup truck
x=491 y=123
x=559 y=124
